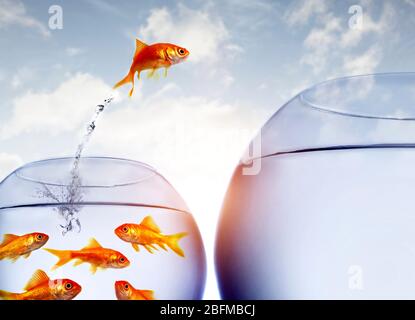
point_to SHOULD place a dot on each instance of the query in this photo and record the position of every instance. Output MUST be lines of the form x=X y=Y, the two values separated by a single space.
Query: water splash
x=90 y=129
x=70 y=196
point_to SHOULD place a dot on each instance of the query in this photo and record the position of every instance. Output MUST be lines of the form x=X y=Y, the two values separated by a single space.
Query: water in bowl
x=166 y=273
x=333 y=223
x=113 y=192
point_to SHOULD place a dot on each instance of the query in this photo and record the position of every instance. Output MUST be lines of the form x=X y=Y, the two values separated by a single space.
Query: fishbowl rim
x=330 y=109
x=86 y=203
x=299 y=101
x=135 y=162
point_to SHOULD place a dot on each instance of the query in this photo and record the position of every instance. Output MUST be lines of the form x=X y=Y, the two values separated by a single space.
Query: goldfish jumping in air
x=40 y=287
x=125 y=291
x=153 y=57
x=14 y=246
x=93 y=254
x=148 y=234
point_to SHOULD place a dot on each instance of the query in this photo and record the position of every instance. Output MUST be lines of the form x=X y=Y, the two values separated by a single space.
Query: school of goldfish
x=41 y=287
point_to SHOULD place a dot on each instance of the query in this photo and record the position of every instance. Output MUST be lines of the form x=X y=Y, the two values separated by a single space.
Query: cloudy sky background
x=247 y=59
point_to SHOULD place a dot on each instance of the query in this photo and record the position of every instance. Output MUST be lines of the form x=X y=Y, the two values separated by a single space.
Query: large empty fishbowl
x=326 y=210
x=112 y=228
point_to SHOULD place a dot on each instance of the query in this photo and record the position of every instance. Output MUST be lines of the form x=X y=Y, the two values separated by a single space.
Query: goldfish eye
x=181 y=51
x=68 y=286
x=39 y=237
x=122 y=259
x=126 y=286
x=125 y=229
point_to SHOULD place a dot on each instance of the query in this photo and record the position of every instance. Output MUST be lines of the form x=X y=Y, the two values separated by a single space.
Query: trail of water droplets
x=71 y=195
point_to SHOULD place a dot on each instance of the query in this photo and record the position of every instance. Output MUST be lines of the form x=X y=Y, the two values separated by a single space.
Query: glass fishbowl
x=326 y=210
x=116 y=229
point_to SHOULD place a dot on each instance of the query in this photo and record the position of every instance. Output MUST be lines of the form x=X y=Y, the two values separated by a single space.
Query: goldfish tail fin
x=64 y=257
x=173 y=242
x=148 y=294
x=128 y=78
x=5 y=295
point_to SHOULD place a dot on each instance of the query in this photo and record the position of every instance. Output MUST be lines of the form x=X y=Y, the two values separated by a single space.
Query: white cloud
x=319 y=41
x=302 y=11
x=73 y=51
x=323 y=37
x=352 y=37
x=331 y=41
x=13 y=12
x=61 y=110
x=171 y=127
x=364 y=63
x=203 y=34
x=8 y=163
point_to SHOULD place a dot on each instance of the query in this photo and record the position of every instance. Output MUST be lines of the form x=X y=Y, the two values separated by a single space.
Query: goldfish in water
x=40 y=287
x=94 y=254
x=125 y=291
x=148 y=234
x=14 y=246
x=153 y=57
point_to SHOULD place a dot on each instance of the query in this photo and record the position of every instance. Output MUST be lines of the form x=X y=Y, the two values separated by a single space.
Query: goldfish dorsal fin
x=38 y=278
x=139 y=45
x=149 y=223
x=93 y=243
x=8 y=238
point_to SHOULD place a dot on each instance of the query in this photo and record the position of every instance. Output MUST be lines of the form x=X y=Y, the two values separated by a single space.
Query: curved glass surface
x=142 y=229
x=326 y=210
x=354 y=111
x=103 y=180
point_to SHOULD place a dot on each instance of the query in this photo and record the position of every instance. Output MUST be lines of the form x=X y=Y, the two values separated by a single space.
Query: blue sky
x=247 y=58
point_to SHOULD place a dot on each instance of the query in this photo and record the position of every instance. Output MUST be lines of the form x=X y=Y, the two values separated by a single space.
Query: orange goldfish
x=153 y=57
x=40 y=287
x=14 y=246
x=125 y=291
x=148 y=234
x=94 y=254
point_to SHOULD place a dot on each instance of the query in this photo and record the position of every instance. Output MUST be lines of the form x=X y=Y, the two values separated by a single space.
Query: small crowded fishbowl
x=111 y=229
x=322 y=206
